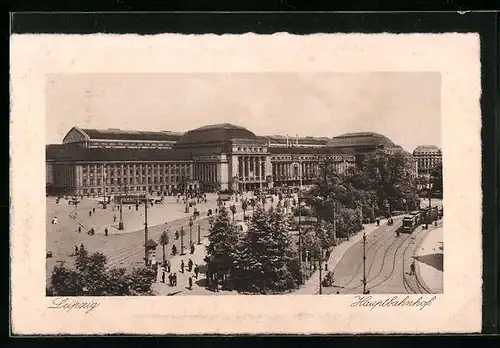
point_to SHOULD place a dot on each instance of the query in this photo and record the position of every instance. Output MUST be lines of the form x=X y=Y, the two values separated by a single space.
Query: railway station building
x=210 y=158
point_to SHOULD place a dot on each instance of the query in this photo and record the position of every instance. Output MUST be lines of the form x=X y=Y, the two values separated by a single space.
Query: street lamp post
x=190 y=231
x=364 y=262
x=146 y=230
x=199 y=233
x=120 y=223
x=430 y=206
x=321 y=260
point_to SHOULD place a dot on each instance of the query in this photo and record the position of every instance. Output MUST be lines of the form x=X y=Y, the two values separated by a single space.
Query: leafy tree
x=223 y=241
x=266 y=262
x=91 y=277
x=436 y=178
x=164 y=240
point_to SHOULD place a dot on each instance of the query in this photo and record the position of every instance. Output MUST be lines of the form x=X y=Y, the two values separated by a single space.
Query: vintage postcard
x=177 y=184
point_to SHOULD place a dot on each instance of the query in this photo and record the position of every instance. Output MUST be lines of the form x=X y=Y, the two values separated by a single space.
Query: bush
x=328 y=280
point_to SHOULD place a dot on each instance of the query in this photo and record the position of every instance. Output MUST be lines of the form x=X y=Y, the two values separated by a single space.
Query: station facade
x=211 y=158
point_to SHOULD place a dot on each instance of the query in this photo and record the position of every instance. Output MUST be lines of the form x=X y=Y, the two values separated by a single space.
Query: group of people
x=172 y=277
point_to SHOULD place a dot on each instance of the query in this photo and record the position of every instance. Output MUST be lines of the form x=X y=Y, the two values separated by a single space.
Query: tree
x=91 y=277
x=164 y=240
x=390 y=176
x=223 y=241
x=436 y=179
x=266 y=262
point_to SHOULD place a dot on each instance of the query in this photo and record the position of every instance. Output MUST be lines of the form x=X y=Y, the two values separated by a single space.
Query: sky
x=404 y=106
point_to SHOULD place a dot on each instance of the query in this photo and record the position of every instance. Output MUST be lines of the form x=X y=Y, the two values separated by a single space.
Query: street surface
x=388 y=260
x=388 y=257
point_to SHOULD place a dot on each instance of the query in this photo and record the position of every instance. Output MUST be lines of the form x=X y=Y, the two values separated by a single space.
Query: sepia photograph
x=245 y=184
x=171 y=184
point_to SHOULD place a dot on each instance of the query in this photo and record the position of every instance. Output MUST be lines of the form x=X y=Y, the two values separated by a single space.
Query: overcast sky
x=402 y=106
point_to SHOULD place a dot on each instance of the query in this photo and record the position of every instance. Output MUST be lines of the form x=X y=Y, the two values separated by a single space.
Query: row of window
x=99 y=190
x=125 y=181
x=252 y=149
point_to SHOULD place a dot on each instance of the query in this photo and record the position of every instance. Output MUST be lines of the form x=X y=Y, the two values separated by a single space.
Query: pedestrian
x=168 y=266
x=378 y=222
x=182 y=266
x=114 y=218
x=163 y=277
x=215 y=210
x=93 y=210
x=106 y=231
x=177 y=234
x=338 y=292
x=175 y=279
x=79 y=229
x=76 y=249
x=190 y=280
x=192 y=248
x=412 y=268
x=190 y=265
x=90 y=213
x=82 y=247
x=174 y=250
x=129 y=207
x=196 y=271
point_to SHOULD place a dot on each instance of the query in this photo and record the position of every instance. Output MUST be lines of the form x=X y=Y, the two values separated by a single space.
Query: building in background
x=210 y=158
x=427 y=158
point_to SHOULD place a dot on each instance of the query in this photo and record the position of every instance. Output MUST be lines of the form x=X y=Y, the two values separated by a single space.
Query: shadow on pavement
x=434 y=260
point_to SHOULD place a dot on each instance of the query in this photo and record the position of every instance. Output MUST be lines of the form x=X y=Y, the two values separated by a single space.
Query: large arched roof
x=216 y=133
x=362 y=139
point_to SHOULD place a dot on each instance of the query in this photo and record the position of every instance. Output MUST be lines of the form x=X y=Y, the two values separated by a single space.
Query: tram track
x=378 y=242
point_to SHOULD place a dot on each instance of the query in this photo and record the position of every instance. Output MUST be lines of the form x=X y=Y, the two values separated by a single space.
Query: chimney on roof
x=287 y=141
x=297 y=140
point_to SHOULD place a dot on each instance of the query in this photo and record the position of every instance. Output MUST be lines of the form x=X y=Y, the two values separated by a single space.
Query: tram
x=411 y=221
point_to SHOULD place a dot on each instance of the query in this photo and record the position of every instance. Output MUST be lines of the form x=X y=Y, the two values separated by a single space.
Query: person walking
x=196 y=271
x=174 y=250
x=175 y=279
x=177 y=234
x=79 y=229
x=82 y=247
x=378 y=222
x=106 y=231
x=190 y=265
x=168 y=266
x=190 y=282
x=90 y=213
x=93 y=210
x=76 y=249
x=163 y=277
x=114 y=218
x=182 y=266
x=412 y=268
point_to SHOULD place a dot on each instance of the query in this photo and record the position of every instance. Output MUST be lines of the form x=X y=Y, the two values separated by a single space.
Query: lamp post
x=190 y=231
x=430 y=206
x=199 y=233
x=321 y=260
x=300 y=237
x=364 y=262
x=120 y=223
x=146 y=230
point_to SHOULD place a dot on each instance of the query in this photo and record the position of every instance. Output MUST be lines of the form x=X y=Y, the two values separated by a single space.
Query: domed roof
x=361 y=139
x=216 y=133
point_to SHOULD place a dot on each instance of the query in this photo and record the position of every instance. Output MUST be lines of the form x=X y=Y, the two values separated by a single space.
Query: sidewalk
x=311 y=285
x=429 y=257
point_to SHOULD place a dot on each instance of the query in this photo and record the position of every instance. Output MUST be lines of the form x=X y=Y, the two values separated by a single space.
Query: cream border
x=456 y=56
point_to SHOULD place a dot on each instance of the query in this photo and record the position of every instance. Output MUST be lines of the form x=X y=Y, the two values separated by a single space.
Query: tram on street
x=411 y=221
